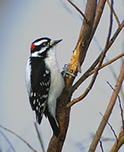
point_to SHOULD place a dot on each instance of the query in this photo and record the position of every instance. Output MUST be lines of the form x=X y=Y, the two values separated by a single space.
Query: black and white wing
x=40 y=84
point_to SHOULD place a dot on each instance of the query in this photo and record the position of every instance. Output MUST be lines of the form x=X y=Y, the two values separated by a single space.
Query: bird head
x=42 y=45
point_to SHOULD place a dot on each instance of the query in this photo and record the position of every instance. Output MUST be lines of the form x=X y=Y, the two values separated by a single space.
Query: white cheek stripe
x=36 y=54
x=39 y=42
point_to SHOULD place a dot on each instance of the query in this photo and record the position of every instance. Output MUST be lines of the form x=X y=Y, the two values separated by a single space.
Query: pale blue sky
x=21 y=23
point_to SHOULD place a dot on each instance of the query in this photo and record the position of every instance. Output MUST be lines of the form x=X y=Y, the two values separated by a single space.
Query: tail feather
x=53 y=124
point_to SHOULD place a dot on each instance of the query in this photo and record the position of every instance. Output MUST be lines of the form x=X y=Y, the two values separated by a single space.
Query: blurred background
x=21 y=22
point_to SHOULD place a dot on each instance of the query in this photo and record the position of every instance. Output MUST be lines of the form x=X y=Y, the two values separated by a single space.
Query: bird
x=44 y=80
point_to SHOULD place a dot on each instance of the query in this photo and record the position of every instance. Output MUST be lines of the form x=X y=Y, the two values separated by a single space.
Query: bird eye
x=44 y=44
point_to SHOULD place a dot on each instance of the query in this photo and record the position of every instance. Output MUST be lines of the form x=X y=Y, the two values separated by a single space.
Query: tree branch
x=108 y=111
x=100 y=62
x=74 y=63
x=99 y=11
x=88 y=72
x=119 y=142
x=121 y=109
x=83 y=42
x=107 y=63
x=114 y=133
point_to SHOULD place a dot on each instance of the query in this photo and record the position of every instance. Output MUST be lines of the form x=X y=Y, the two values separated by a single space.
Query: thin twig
x=101 y=145
x=108 y=111
x=7 y=140
x=110 y=25
x=110 y=126
x=110 y=67
x=114 y=13
x=121 y=109
x=112 y=130
x=39 y=137
x=19 y=137
x=108 y=62
x=82 y=14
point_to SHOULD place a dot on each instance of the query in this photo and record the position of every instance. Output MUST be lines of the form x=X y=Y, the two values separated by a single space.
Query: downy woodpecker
x=43 y=80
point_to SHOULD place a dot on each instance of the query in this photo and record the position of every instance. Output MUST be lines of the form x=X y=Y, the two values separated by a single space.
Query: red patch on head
x=32 y=46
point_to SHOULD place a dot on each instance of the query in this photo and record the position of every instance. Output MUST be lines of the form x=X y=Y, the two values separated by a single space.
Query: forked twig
x=120 y=105
x=99 y=64
x=109 y=62
x=114 y=13
x=101 y=145
x=7 y=140
x=90 y=72
x=19 y=137
x=110 y=127
x=87 y=73
x=82 y=14
x=118 y=143
x=108 y=111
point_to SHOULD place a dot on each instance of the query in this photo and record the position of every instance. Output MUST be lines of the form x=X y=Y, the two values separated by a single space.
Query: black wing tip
x=53 y=124
x=39 y=121
x=38 y=118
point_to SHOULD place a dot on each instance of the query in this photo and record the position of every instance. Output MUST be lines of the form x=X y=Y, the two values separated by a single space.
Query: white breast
x=28 y=76
x=57 y=81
